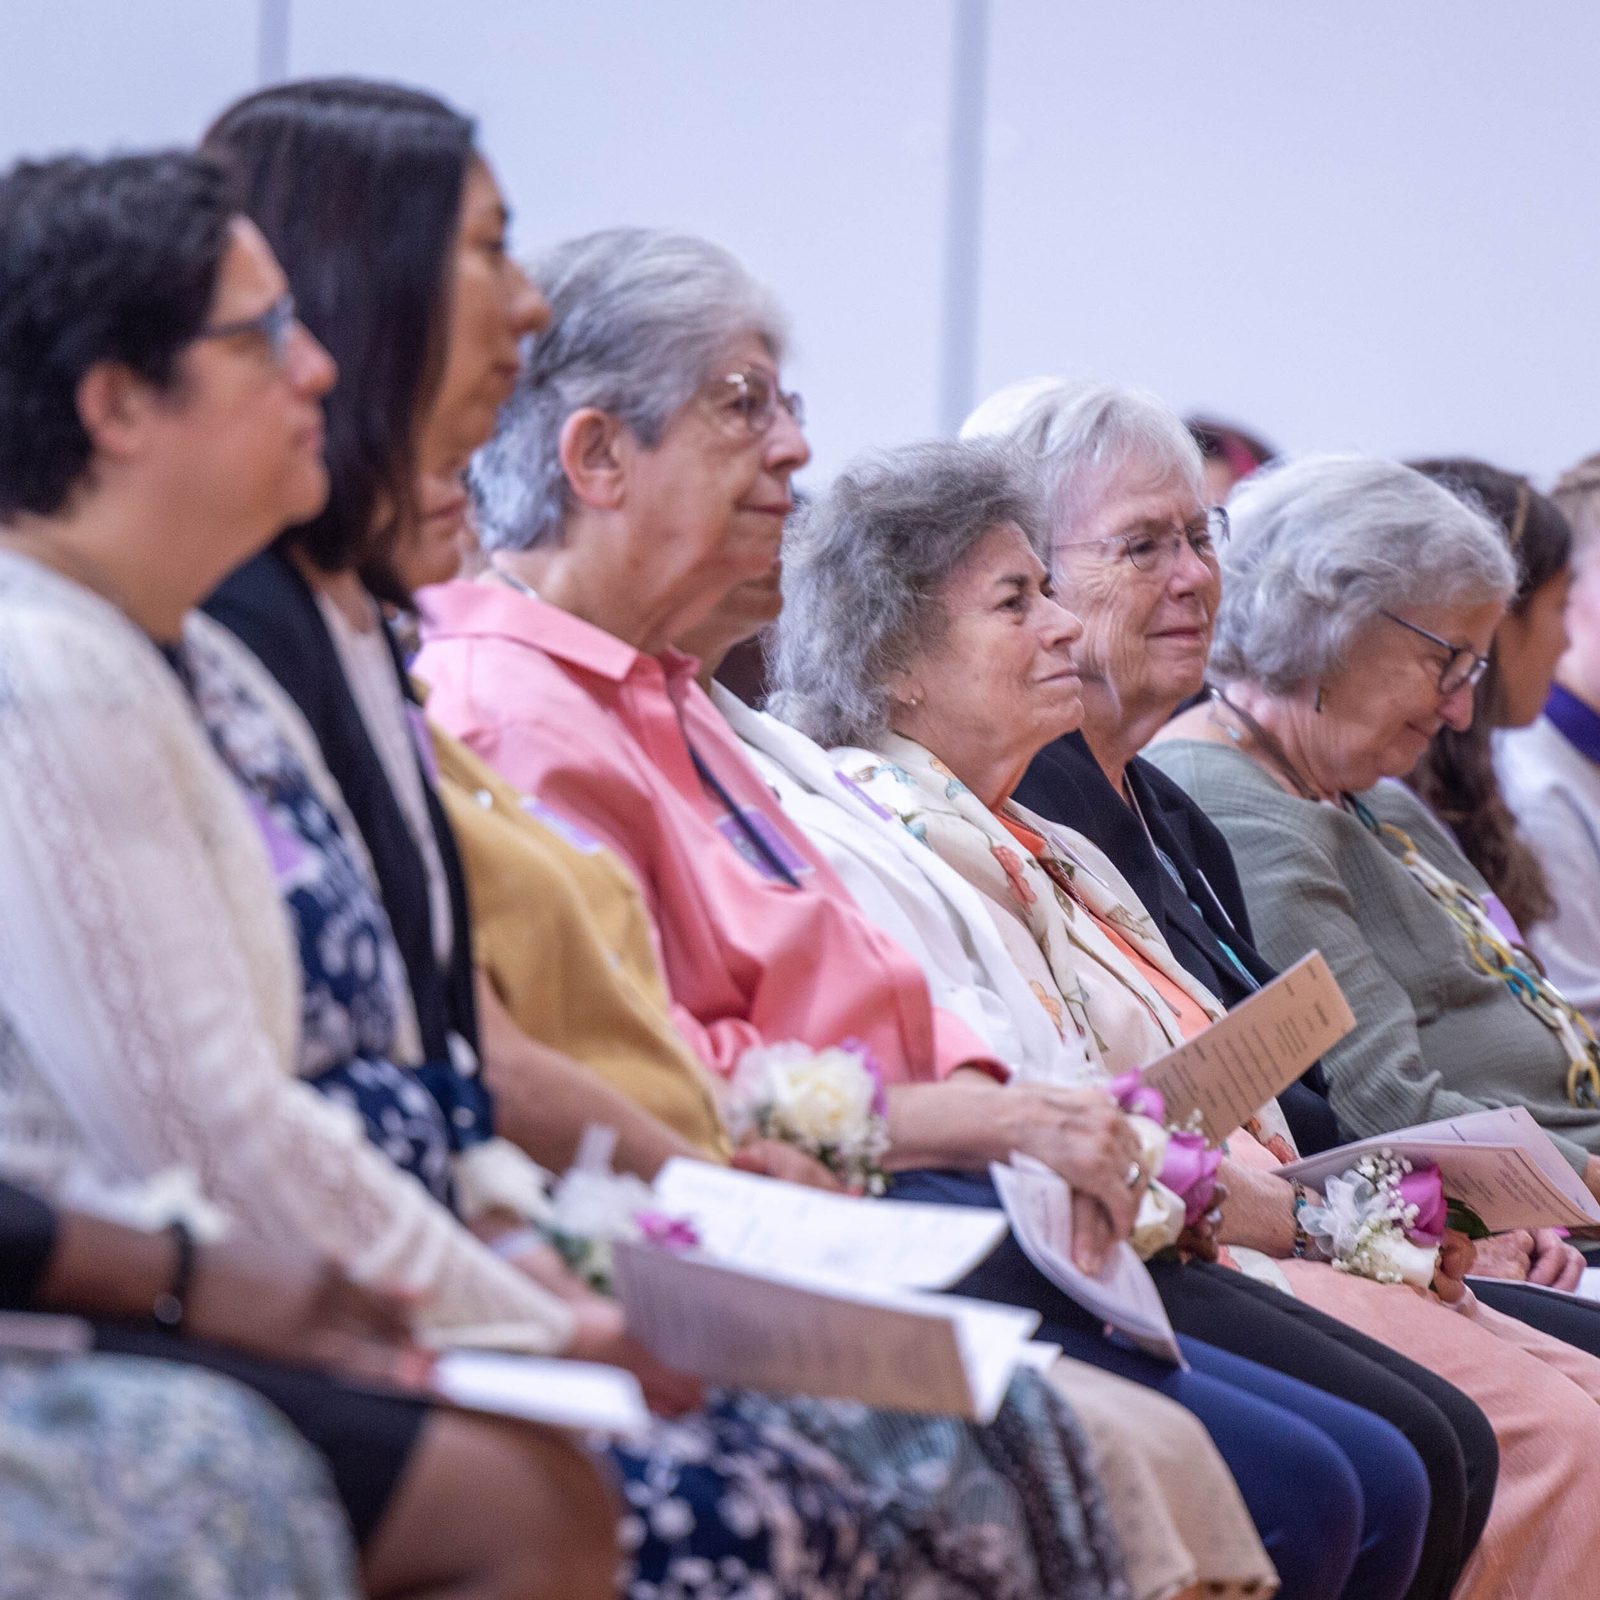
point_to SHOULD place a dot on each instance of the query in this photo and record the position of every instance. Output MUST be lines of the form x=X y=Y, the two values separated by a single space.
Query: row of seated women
x=347 y=955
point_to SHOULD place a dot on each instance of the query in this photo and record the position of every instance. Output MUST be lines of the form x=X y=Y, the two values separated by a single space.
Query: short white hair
x=1322 y=545
x=1090 y=435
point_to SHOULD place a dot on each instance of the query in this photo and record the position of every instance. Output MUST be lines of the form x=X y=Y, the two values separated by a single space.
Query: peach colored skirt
x=1540 y=1395
x=1542 y=1398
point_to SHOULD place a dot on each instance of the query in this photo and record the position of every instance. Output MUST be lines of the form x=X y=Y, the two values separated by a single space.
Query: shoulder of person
x=69 y=653
x=1538 y=761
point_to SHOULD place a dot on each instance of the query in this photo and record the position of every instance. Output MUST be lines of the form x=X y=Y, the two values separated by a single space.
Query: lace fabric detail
x=148 y=977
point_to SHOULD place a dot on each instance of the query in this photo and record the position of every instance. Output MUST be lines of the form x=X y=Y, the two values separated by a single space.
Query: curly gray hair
x=864 y=569
x=638 y=318
x=1322 y=544
x=1090 y=435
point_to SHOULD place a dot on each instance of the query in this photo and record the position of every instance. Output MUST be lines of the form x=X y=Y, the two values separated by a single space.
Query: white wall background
x=1368 y=225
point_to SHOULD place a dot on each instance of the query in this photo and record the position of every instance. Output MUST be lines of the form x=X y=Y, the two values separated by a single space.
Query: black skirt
x=365 y=1438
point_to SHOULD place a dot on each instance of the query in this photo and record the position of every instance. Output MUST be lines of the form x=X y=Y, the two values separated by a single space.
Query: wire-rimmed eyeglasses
x=1463 y=666
x=752 y=398
x=276 y=325
x=1152 y=547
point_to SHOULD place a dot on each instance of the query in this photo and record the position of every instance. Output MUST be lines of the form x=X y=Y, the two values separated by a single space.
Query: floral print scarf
x=1042 y=907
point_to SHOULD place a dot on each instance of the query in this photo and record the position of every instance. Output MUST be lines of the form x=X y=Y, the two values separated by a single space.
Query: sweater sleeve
x=140 y=913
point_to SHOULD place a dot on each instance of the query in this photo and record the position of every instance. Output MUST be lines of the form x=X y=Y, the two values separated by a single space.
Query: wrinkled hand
x=600 y=1334
x=1556 y=1264
x=301 y=1310
x=1203 y=1241
x=773 y=1158
x=1456 y=1254
x=1506 y=1255
x=1084 y=1136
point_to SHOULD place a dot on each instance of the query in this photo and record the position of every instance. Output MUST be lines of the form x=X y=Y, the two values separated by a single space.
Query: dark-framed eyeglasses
x=751 y=399
x=276 y=325
x=1153 y=548
x=1463 y=667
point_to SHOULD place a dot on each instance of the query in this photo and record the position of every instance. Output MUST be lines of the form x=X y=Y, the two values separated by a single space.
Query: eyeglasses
x=1464 y=667
x=1153 y=547
x=276 y=325
x=750 y=400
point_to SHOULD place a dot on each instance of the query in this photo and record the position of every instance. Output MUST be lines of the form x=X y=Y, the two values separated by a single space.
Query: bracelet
x=169 y=1306
x=1304 y=1244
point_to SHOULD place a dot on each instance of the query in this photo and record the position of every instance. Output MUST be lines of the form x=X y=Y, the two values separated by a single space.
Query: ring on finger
x=1134 y=1176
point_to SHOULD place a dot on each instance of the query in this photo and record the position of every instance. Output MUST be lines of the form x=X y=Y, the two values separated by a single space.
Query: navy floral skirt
x=758 y=1498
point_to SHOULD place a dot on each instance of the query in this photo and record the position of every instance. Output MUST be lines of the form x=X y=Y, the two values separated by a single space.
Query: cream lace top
x=148 y=984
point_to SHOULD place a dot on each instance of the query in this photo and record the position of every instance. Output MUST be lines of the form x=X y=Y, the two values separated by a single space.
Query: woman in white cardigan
x=161 y=421
x=162 y=1015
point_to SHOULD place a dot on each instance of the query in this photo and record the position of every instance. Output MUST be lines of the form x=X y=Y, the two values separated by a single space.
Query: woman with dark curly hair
x=1456 y=775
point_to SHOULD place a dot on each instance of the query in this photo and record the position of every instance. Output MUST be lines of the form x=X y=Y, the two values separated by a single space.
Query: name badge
x=286 y=852
x=584 y=843
x=865 y=798
x=738 y=834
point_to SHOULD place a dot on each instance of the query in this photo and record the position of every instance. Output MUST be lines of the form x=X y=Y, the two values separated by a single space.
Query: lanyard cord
x=737 y=812
x=704 y=772
x=1173 y=871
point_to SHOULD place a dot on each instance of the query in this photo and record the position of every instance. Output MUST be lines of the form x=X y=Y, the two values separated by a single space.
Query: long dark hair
x=357 y=186
x=1456 y=774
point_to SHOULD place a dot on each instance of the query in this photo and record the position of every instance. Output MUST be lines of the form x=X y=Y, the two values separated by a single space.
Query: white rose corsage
x=828 y=1103
x=1384 y=1219
x=593 y=1207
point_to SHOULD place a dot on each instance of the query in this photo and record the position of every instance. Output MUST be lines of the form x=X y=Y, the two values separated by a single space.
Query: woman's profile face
x=490 y=307
x=1527 y=646
x=705 y=506
x=1000 y=678
x=1580 y=666
x=1382 y=710
x=243 y=435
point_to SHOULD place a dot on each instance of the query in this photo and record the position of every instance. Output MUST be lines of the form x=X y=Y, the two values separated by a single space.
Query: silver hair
x=864 y=570
x=1322 y=544
x=639 y=316
x=1090 y=436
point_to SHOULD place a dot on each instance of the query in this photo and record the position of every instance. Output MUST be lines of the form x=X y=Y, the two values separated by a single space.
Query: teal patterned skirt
x=126 y=1479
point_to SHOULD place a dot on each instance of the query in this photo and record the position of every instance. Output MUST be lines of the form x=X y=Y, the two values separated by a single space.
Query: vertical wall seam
x=272 y=42
x=964 y=193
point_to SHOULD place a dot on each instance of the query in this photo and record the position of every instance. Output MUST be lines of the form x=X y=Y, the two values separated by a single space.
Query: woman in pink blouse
x=621 y=500
x=640 y=473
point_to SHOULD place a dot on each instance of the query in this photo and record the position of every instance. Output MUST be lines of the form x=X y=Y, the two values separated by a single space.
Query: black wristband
x=169 y=1306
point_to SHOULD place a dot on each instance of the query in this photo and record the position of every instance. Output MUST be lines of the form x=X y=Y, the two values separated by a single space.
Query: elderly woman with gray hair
x=1144 y=572
x=1359 y=603
x=640 y=474
x=952 y=685
x=642 y=469
x=918 y=619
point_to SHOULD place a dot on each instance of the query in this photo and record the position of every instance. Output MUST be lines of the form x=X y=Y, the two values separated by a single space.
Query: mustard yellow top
x=561 y=931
